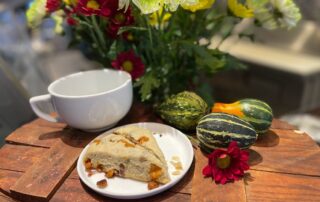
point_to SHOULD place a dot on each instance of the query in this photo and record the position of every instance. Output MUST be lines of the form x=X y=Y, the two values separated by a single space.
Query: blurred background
x=283 y=67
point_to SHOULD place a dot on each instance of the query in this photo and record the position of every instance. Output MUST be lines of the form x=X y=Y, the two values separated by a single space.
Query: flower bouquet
x=164 y=45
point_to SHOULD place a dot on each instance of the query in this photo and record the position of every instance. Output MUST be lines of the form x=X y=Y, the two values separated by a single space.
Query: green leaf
x=147 y=83
x=112 y=54
x=234 y=63
x=211 y=64
x=130 y=28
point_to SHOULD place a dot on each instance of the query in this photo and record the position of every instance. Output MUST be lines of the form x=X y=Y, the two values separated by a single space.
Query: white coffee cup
x=92 y=100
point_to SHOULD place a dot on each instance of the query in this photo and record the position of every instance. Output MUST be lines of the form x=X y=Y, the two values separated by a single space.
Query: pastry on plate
x=129 y=152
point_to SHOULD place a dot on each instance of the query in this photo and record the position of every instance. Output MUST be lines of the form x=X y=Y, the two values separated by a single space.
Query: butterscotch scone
x=130 y=153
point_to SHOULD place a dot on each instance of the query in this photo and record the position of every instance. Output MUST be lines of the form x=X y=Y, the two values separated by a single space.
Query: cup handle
x=44 y=100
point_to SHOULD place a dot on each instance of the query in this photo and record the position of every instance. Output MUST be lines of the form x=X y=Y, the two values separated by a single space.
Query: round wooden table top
x=38 y=160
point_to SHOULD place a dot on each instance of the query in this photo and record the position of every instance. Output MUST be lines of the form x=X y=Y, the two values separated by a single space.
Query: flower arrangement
x=163 y=44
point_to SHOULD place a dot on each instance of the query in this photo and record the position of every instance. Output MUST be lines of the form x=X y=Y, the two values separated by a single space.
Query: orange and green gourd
x=256 y=112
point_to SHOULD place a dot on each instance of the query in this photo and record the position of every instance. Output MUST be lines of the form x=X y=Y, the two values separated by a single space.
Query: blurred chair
x=14 y=105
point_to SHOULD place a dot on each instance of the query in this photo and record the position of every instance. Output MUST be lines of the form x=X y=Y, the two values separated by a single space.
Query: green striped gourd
x=183 y=110
x=256 y=112
x=217 y=130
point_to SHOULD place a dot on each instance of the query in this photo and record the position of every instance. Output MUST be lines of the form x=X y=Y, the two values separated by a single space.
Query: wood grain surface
x=206 y=190
x=283 y=166
x=74 y=190
x=44 y=177
x=7 y=179
x=269 y=186
x=35 y=135
x=19 y=157
x=293 y=153
x=5 y=198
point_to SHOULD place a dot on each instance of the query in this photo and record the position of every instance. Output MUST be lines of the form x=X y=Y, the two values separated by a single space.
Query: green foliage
x=147 y=83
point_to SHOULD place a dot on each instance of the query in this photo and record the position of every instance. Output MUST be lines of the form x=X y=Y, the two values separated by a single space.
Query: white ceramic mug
x=92 y=100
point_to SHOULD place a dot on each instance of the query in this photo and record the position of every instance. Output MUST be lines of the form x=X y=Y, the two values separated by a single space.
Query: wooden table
x=285 y=166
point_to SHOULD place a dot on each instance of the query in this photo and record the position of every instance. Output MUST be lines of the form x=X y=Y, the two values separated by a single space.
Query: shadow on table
x=254 y=157
x=247 y=178
x=269 y=139
x=70 y=136
x=76 y=138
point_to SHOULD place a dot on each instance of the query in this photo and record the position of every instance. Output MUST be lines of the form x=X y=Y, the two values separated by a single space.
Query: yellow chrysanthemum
x=202 y=4
x=240 y=10
x=154 y=21
x=272 y=14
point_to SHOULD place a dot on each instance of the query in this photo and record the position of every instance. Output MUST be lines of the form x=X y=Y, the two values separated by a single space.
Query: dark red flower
x=52 y=5
x=225 y=166
x=112 y=30
x=119 y=19
x=128 y=36
x=122 y=17
x=129 y=62
x=71 y=21
x=104 y=8
x=70 y=12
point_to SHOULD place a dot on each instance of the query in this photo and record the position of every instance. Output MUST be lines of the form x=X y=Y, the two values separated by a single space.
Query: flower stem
x=93 y=36
x=99 y=33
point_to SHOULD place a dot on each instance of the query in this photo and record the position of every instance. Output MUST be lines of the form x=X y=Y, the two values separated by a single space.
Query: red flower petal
x=245 y=166
x=206 y=171
x=218 y=176
x=233 y=144
x=223 y=180
x=244 y=156
x=71 y=21
x=53 y=5
x=237 y=172
x=235 y=177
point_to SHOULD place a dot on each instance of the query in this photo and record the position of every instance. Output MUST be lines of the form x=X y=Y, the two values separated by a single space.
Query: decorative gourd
x=183 y=110
x=217 y=130
x=256 y=112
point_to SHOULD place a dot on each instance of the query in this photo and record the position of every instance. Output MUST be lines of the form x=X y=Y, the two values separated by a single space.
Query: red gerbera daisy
x=52 y=5
x=119 y=19
x=104 y=8
x=129 y=62
x=225 y=166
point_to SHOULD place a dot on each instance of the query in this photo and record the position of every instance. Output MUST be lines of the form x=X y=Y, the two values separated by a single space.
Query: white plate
x=172 y=143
